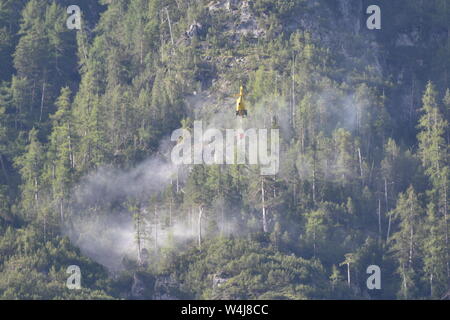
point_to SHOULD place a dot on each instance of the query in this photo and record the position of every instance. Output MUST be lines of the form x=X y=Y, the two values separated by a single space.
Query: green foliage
x=364 y=122
x=247 y=271
x=35 y=269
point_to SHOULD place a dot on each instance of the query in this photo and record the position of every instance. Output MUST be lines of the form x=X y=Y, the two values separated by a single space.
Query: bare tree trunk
x=61 y=211
x=83 y=46
x=293 y=92
x=42 y=100
x=386 y=195
x=379 y=219
x=431 y=284
x=387 y=209
x=200 y=215
x=405 y=287
x=360 y=166
x=263 y=198
x=156 y=229
x=170 y=26
x=348 y=275
x=71 y=157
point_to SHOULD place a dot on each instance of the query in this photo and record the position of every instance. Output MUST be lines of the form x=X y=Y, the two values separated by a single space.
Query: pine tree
x=45 y=56
x=433 y=151
x=91 y=150
x=435 y=263
x=446 y=113
x=9 y=25
x=140 y=226
x=30 y=167
x=60 y=153
x=198 y=196
x=390 y=172
x=407 y=241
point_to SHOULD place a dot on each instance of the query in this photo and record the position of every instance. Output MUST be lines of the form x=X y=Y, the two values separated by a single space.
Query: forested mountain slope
x=86 y=177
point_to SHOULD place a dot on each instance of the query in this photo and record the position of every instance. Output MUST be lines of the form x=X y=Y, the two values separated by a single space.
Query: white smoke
x=102 y=226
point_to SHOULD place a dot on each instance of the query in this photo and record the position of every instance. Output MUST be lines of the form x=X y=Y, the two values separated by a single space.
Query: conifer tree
x=433 y=151
x=60 y=153
x=407 y=242
x=30 y=167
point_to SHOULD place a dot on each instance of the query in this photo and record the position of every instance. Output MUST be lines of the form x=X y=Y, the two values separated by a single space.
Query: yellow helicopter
x=241 y=111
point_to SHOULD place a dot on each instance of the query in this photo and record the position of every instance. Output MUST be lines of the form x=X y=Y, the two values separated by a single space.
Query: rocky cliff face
x=339 y=28
x=245 y=22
